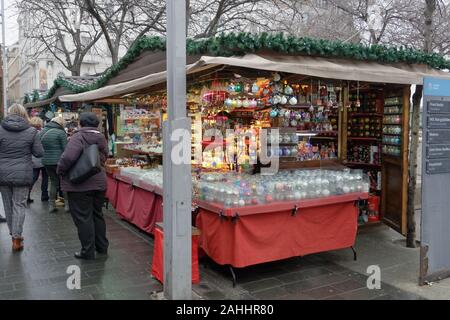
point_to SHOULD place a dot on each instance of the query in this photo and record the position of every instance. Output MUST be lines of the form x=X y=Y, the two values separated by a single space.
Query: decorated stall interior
x=336 y=130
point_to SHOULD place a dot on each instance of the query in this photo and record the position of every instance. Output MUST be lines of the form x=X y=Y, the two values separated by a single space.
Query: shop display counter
x=138 y=203
x=250 y=235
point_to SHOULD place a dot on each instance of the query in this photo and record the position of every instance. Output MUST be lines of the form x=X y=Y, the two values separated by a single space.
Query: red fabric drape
x=111 y=191
x=259 y=238
x=140 y=207
x=158 y=258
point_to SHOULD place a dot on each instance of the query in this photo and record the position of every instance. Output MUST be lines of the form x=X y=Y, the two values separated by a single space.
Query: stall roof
x=63 y=86
x=329 y=68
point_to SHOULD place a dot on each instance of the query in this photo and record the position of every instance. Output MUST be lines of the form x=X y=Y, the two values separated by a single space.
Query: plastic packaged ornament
x=284 y=100
x=288 y=90
x=286 y=138
x=298 y=116
x=293 y=101
x=294 y=123
x=294 y=151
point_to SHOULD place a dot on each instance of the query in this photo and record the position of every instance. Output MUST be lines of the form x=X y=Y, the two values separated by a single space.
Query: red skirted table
x=250 y=235
x=138 y=203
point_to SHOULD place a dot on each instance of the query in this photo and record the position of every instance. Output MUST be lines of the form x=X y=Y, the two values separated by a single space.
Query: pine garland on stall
x=242 y=43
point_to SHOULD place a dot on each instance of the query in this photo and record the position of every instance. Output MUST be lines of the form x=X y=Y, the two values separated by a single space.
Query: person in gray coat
x=18 y=142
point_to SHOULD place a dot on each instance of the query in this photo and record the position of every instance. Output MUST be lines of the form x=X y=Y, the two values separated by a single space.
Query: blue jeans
x=44 y=182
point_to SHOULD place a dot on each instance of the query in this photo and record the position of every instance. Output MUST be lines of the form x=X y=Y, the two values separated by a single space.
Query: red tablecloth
x=257 y=238
x=111 y=191
x=140 y=207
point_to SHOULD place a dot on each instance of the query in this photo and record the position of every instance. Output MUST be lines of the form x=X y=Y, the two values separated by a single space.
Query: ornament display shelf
x=392 y=134
x=143 y=152
x=278 y=206
x=392 y=144
x=358 y=114
x=374 y=165
x=364 y=139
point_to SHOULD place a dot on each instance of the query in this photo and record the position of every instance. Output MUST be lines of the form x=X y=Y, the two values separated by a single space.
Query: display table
x=138 y=203
x=250 y=235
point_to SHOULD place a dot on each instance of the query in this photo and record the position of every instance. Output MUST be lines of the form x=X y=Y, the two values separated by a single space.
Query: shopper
x=18 y=142
x=54 y=141
x=38 y=167
x=86 y=199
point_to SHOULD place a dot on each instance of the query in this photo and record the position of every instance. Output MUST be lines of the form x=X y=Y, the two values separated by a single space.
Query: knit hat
x=59 y=120
x=89 y=119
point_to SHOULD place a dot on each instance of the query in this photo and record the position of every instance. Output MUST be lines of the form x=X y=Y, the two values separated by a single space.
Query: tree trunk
x=413 y=153
x=430 y=9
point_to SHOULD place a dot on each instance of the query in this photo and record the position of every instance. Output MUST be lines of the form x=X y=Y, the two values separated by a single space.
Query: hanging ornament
x=255 y=88
x=234 y=103
x=246 y=103
x=238 y=87
x=273 y=113
x=276 y=77
x=231 y=87
x=283 y=100
x=239 y=103
x=247 y=88
x=253 y=103
x=358 y=102
x=293 y=101
x=288 y=90
x=228 y=103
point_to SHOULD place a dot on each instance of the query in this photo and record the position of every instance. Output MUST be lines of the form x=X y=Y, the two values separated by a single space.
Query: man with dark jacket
x=18 y=142
x=54 y=141
x=86 y=199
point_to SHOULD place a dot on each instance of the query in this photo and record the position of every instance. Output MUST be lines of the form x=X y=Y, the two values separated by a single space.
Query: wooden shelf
x=357 y=114
x=363 y=164
x=364 y=139
x=391 y=144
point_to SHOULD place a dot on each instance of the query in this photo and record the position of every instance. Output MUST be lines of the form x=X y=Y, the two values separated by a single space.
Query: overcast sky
x=12 y=28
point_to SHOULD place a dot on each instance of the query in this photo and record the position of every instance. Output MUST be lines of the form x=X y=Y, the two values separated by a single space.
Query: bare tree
x=123 y=21
x=374 y=17
x=60 y=28
x=209 y=17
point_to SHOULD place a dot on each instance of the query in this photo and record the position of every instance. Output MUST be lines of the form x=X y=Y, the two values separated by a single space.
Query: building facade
x=37 y=69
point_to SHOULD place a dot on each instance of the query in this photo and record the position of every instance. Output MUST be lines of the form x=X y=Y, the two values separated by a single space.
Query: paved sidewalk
x=50 y=241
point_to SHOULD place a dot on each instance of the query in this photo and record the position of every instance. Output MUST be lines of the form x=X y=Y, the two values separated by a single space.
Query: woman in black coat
x=18 y=142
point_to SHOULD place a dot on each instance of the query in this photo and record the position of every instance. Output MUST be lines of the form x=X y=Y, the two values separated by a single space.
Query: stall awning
x=128 y=87
x=328 y=68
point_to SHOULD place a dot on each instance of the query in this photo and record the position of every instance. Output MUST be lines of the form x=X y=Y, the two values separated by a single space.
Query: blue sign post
x=435 y=222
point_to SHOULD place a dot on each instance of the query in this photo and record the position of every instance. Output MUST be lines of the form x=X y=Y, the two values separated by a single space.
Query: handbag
x=87 y=165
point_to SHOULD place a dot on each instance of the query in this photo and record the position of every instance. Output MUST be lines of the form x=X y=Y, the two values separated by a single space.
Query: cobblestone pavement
x=50 y=241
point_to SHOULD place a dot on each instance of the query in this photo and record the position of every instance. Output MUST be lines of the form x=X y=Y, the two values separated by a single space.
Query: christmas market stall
x=295 y=142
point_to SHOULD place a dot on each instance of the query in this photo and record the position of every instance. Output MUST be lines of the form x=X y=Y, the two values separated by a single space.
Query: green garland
x=242 y=43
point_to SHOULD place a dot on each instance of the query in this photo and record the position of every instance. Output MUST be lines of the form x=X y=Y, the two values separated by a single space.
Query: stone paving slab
x=51 y=239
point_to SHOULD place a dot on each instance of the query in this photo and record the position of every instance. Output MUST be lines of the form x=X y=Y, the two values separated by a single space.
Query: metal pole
x=177 y=174
x=5 y=63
